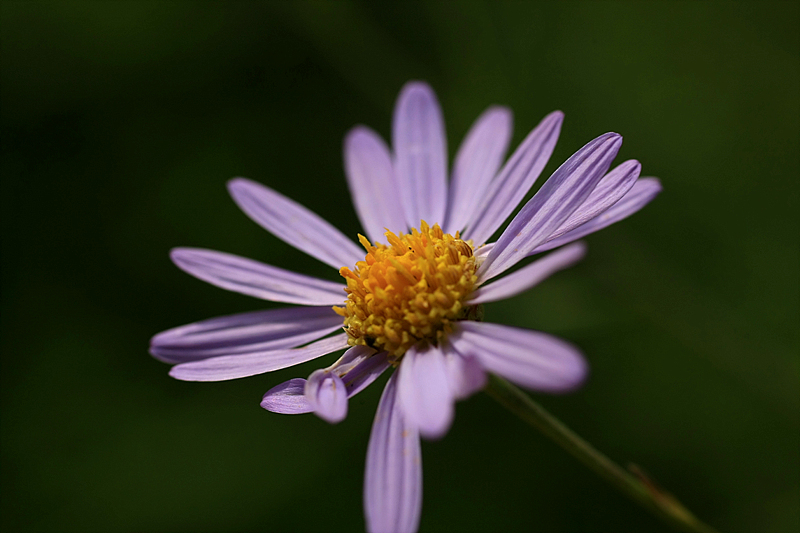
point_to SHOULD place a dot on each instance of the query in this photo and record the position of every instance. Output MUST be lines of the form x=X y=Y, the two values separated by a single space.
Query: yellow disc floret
x=409 y=291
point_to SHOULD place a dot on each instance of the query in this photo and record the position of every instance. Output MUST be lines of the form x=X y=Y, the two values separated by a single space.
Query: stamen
x=409 y=291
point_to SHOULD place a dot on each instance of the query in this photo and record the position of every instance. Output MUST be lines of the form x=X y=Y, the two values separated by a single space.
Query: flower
x=413 y=302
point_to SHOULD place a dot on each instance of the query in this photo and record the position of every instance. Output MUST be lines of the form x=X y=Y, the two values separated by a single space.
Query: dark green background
x=121 y=123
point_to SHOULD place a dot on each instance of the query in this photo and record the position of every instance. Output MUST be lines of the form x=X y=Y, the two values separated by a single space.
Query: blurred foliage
x=121 y=122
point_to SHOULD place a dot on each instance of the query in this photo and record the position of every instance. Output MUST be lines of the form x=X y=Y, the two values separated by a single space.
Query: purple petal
x=611 y=188
x=528 y=358
x=482 y=252
x=642 y=192
x=294 y=224
x=365 y=372
x=476 y=163
x=288 y=398
x=357 y=368
x=326 y=393
x=253 y=278
x=353 y=357
x=563 y=193
x=420 y=154
x=246 y=332
x=525 y=278
x=465 y=374
x=368 y=166
x=516 y=178
x=424 y=391
x=243 y=365
x=393 y=478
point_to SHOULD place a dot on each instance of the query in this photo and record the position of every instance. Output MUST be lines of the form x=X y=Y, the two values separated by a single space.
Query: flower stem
x=634 y=484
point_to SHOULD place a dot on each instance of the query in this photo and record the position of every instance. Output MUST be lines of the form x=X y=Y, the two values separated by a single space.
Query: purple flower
x=413 y=302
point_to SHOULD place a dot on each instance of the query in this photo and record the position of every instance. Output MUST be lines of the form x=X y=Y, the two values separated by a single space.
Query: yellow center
x=409 y=291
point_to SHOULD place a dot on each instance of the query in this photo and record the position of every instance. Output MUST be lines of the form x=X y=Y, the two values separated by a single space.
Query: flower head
x=412 y=302
x=411 y=291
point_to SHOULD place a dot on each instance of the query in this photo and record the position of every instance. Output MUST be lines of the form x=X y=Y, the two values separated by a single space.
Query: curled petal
x=393 y=477
x=252 y=278
x=327 y=395
x=355 y=370
x=482 y=252
x=353 y=357
x=420 y=154
x=563 y=193
x=528 y=358
x=288 y=398
x=294 y=224
x=611 y=188
x=642 y=192
x=358 y=367
x=525 y=278
x=365 y=372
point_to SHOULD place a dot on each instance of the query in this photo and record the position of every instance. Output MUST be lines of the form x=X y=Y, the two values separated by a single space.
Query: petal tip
x=327 y=396
x=356 y=133
x=176 y=373
x=632 y=166
x=287 y=398
x=581 y=248
x=653 y=183
x=436 y=432
x=155 y=347
x=332 y=417
x=575 y=378
x=500 y=111
x=360 y=138
x=416 y=87
x=241 y=187
x=237 y=183
x=267 y=402
x=177 y=255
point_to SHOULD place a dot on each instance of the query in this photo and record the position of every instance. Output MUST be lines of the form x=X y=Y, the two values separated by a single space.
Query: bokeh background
x=122 y=121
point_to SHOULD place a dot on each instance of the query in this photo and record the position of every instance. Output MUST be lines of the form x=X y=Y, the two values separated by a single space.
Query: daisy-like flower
x=412 y=302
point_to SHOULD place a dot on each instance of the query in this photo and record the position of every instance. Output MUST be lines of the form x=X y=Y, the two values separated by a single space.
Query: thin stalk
x=637 y=487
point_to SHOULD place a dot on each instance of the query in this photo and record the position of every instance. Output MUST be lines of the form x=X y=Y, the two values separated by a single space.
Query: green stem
x=637 y=487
